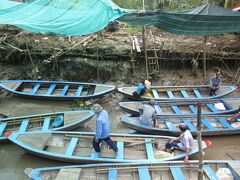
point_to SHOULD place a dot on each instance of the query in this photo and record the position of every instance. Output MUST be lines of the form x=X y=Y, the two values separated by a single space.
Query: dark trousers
x=172 y=146
x=212 y=91
x=107 y=140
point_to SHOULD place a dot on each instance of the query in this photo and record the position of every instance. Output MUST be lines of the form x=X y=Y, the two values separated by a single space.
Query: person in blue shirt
x=102 y=129
x=141 y=89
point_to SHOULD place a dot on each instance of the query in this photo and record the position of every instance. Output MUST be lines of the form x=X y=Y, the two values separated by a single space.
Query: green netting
x=62 y=17
x=205 y=20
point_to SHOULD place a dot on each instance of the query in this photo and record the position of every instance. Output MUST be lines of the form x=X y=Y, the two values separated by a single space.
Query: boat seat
x=190 y=125
x=79 y=91
x=112 y=174
x=120 y=153
x=184 y=94
x=197 y=93
x=158 y=109
x=225 y=123
x=143 y=173
x=170 y=126
x=2 y=127
x=207 y=124
x=211 y=107
x=193 y=109
x=176 y=110
x=226 y=105
x=170 y=94
x=149 y=149
x=65 y=89
x=155 y=94
x=23 y=126
x=177 y=173
x=36 y=87
x=71 y=147
x=208 y=170
x=51 y=89
x=46 y=124
x=95 y=154
x=69 y=174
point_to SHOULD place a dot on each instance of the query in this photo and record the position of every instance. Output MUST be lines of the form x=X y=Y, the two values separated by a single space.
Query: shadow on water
x=14 y=160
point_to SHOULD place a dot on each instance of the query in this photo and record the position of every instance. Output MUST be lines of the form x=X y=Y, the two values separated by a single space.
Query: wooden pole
x=144 y=43
x=199 y=137
x=205 y=59
x=98 y=79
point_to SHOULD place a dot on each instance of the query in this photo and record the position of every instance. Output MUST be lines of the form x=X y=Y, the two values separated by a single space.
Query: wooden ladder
x=153 y=64
x=135 y=49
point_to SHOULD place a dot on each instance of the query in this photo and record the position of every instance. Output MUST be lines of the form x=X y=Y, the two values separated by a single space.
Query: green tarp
x=204 y=20
x=61 y=17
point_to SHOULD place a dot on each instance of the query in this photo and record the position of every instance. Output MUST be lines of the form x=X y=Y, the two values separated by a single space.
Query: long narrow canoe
x=184 y=108
x=168 y=125
x=172 y=93
x=56 y=89
x=76 y=147
x=133 y=171
x=44 y=122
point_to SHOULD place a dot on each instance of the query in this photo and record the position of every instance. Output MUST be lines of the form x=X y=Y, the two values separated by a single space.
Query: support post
x=98 y=79
x=144 y=43
x=205 y=59
x=199 y=138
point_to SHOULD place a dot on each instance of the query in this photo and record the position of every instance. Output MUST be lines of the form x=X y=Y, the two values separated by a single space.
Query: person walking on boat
x=148 y=113
x=141 y=89
x=215 y=83
x=102 y=129
x=184 y=142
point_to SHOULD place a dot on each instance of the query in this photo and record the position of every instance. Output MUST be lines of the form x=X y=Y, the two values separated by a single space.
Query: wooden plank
x=79 y=91
x=170 y=94
x=193 y=109
x=207 y=124
x=69 y=174
x=36 y=87
x=177 y=173
x=149 y=149
x=51 y=89
x=170 y=126
x=71 y=147
x=211 y=107
x=155 y=94
x=197 y=93
x=2 y=127
x=158 y=109
x=120 y=153
x=143 y=173
x=225 y=123
x=176 y=110
x=208 y=170
x=46 y=124
x=184 y=93
x=112 y=174
x=23 y=126
x=65 y=89
x=190 y=125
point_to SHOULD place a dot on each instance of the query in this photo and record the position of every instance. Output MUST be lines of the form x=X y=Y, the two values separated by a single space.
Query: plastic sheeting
x=204 y=20
x=61 y=17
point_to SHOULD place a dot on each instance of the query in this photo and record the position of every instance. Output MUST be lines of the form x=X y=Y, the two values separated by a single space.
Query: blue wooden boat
x=173 y=93
x=170 y=170
x=44 y=122
x=168 y=125
x=56 y=89
x=184 y=108
x=76 y=147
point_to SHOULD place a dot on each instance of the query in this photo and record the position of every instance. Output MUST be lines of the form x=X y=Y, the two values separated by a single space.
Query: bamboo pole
x=98 y=79
x=205 y=59
x=144 y=43
x=199 y=138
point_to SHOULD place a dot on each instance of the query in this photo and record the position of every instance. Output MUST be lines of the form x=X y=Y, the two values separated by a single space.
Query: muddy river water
x=14 y=160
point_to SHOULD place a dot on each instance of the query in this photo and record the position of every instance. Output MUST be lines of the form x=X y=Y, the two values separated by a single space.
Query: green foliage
x=80 y=103
x=133 y=29
x=154 y=75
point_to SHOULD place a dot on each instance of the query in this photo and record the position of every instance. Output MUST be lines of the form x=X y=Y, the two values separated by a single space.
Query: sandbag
x=162 y=154
x=220 y=106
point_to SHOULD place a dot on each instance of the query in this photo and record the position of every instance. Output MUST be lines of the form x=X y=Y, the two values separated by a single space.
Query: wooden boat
x=37 y=122
x=172 y=93
x=76 y=147
x=168 y=125
x=175 y=170
x=56 y=89
x=184 y=108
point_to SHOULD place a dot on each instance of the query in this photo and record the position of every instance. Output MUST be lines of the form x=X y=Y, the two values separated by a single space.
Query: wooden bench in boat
x=112 y=174
x=177 y=173
x=69 y=174
x=2 y=127
x=144 y=173
x=209 y=172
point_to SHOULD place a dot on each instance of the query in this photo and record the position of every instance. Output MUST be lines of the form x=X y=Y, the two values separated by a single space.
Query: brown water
x=14 y=160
